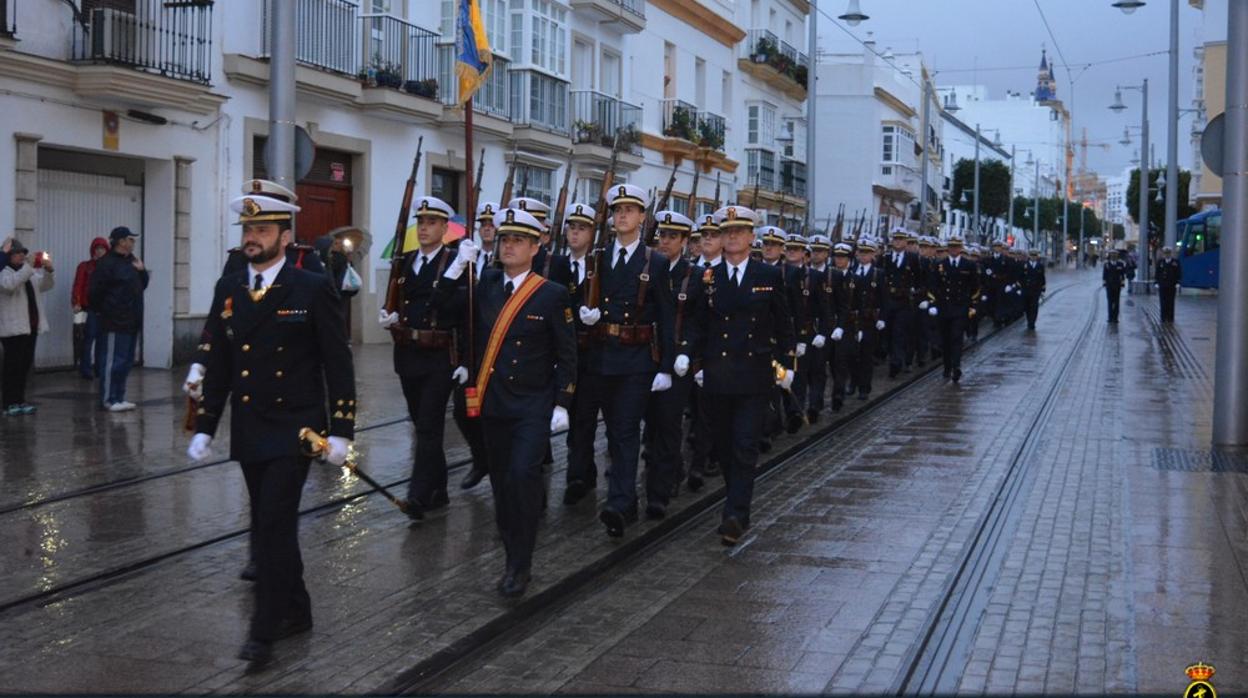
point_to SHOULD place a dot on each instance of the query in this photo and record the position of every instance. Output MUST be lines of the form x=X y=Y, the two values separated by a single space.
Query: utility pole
x=282 y=94
x=1172 y=135
x=975 y=220
x=1142 y=285
x=1035 y=211
x=1010 y=228
x=1230 y=410
x=812 y=48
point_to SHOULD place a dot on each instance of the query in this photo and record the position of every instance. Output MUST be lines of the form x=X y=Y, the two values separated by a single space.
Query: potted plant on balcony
x=422 y=88
x=763 y=50
x=628 y=136
x=588 y=131
x=800 y=75
x=709 y=136
x=385 y=74
x=681 y=125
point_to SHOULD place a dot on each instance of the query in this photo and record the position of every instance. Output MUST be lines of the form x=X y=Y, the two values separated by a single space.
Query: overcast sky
x=1003 y=38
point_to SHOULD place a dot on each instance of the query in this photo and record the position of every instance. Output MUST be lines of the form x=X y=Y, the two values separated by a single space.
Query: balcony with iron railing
x=621 y=15
x=539 y=110
x=760 y=171
x=703 y=129
x=598 y=119
x=776 y=62
x=491 y=99
x=170 y=39
x=327 y=34
x=793 y=178
x=398 y=54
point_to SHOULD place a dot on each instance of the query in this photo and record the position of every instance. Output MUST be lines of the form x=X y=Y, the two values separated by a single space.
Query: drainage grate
x=1199 y=461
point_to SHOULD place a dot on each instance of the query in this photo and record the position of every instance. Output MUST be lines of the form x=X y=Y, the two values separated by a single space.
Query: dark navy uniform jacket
x=836 y=299
x=1004 y=271
x=1032 y=277
x=905 y=280
x=746 y=327
x=954 y=289
x=536 y=365
x=283 y=363
x=419 y=312
x=868 y=297
x=618 y=303
x=1114 y=273
x=686 y=280
x=1169 y=272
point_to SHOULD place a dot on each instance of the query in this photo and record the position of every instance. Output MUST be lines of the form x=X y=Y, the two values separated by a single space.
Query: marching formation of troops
x=721 y=332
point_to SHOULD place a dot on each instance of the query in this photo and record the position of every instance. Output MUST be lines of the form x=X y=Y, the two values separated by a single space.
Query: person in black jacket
x=1169 y=277
x=631 y=353
x=279 y=355
x=1114 y=275
x=116 y=294
x=1033 y=282
x=952 y=294
x=524 y=373
x=749 y=346
x=666 y=412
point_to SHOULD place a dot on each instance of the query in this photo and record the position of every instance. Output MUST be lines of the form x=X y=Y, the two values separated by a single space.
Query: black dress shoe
x=893 y=371
x=712 y=469
x=473 y=478
x=863 y=396
x=575 y=492
x=957 y=375
x=250 y=572
x=614 y=522
x=694 y=483
x=812 y=416
x=439 y=500
x=290 y=627
x=515 y=583
x=655 y=512
x=764 y=446
x=414 y=510
x=837 y=404
x=257 y=652
x=730 y=531
x=794 y=423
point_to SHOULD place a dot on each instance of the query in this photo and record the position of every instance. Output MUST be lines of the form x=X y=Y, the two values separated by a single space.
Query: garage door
x=74 y=208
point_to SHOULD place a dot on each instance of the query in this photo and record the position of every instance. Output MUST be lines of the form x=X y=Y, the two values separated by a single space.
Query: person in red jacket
x=85 y=325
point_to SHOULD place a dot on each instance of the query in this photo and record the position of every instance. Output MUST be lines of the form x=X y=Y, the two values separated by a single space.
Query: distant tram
x=1199 y=239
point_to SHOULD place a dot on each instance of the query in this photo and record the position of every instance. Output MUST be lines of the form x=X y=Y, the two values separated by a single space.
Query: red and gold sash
x=509 y=312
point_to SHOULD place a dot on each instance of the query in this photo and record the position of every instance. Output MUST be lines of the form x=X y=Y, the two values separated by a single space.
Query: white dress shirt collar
x=267 y=276
x=629 y=250
x=515 y=280
x=739 y=267
x=428 y=257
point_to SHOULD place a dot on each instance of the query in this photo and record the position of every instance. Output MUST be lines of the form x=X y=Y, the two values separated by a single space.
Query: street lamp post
x=1142 y=284
x=1035 y=218
x=975 y=219
x=1010 y=226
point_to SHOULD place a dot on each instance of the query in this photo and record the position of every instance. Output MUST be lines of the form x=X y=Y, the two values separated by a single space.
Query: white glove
x=819 y=341
x=200 y=449
x=879 y=325
x=559 y=419
x=1009 y=288
x=681 y=365
x=859 y=335
x=932 y=311
x=467 y=253
x=336 y=453
x=801 y=349
x=787 y=381
x=988 y=272
x=661 y=382
x=460 y=375
x=837 y=334
x=589 y=316
x=1178 y=288
x=983 y=299
x=697 y=378
x=193 y=386
x=386 y=320
x=923 y=305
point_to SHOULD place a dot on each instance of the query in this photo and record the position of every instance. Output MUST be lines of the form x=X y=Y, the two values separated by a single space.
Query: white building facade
x=152 y=115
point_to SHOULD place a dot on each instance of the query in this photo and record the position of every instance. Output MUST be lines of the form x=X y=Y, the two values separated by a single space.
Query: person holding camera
x=22 y=279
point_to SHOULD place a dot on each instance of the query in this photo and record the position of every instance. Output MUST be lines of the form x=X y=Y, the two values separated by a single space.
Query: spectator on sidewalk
x=22 y=319
x=86 y=325
x=116 y=294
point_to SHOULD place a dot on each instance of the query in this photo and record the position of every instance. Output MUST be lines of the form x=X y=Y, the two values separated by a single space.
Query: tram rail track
x=430 y=673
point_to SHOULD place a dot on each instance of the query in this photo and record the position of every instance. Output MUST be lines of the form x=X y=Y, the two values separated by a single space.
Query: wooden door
x=323 y=207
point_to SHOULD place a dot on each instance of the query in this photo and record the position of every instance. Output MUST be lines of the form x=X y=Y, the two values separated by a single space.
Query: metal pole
x=1142 y=251
x=812 y=45
x=1230 y=410
x=1010 y=228
x=1065 y=224
x=975 y=219
x=1035 y=211
x=923 y=166
x=1172 y=135
x=282 y=94
x=1079 y=252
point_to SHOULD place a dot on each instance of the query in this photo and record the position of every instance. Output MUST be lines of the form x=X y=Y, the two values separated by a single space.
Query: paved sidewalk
x=1122 y=563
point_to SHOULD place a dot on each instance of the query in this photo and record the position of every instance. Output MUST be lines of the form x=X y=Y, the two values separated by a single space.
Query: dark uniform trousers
x=1114 y=275
x=898 y=316
x=425 y=373
x=747 y=326
x=815 y=367
x=1168 y=275
x=703 y=452
x=841 y=358
x=534 y=371
x=275 y=361
x=619 y=376
x=869 y=304
x=664 y=426
x=582 y=432
x=955 y=288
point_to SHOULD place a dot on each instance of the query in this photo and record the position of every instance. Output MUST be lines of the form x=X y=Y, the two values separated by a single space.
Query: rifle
x=476 y=192
x=652 y=223
x=400 y=232
x=716 y=191
x=509 y=182
x=594 y=261
x=692 y=207
x=560 y=204
x=524 y=182
x=837 y=230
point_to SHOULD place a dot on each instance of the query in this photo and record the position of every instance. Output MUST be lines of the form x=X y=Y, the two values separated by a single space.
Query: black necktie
x=259 y=283
x=736 y=281
x=576 y=271
x=620 y=259
x=508 y=288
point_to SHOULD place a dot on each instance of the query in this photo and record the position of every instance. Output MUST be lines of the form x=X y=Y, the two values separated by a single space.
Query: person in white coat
x=22 y=319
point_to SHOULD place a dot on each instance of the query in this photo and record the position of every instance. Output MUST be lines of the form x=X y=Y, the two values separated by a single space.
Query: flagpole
x=470 y=223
